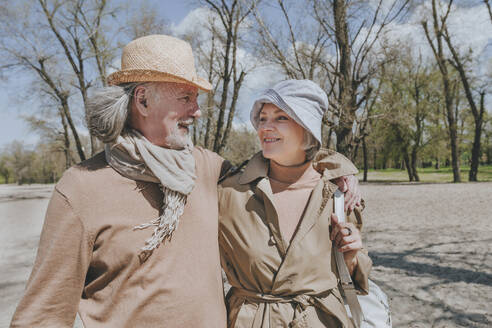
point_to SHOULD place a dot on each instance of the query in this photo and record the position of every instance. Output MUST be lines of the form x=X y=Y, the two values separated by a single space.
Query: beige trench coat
x=275 y=284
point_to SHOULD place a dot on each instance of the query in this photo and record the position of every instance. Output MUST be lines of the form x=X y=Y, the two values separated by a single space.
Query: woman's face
x=280 y=136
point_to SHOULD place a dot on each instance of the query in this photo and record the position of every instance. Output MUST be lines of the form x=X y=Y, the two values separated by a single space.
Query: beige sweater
x=88 y=255
x=290 y=198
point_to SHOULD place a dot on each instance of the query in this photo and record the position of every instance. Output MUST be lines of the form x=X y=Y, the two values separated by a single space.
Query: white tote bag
x=370 y=311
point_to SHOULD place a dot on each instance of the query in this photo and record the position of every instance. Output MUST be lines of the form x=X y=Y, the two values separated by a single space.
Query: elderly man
x=106 y=249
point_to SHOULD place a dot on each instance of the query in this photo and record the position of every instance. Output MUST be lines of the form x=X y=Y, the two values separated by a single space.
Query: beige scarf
x=133 y=156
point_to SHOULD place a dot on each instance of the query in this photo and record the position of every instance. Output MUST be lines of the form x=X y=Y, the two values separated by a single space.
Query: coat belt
x=263 y=313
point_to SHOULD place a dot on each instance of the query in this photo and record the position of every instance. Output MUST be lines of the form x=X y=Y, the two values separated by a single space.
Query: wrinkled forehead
x=178 y=89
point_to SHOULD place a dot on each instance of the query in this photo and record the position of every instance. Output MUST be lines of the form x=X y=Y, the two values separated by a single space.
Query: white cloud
x=193 y=24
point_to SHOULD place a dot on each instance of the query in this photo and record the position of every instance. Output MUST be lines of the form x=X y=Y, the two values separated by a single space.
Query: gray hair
x=108 y=111
x=311 y=145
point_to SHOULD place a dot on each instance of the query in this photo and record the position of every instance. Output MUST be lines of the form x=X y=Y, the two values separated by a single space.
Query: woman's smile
x=271 y=140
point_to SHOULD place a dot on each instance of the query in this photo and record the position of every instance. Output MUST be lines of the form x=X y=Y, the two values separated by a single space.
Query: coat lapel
x=257 y=170
x=265 y=189
x=315 y=211
x=315 y=207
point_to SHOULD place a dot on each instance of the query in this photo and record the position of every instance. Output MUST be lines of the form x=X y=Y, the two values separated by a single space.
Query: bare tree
x=327 y=46
x=477 y=110
x=354 y=62
x=65 y=43
x=212 y=78
x=207 y=54
x=39 y=64
x=487 y=3
x=231 y=16
x=69 y=21
x=101 y=50
x=300 y=52
x=436 y=44
x=368 y=116
x=299 y=47
x=49 y=130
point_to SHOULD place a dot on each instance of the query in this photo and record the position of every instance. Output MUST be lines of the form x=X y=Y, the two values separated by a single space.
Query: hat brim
x=144 y=75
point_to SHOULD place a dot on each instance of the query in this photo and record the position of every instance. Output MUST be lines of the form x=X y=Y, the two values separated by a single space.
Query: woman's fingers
x=345 y=233
x=349 y=185
x=334 y=226
x=350 y=201
x=352 y=192
x=342 y=240
x=354 y=246
x=342 y=184
x=340 y=227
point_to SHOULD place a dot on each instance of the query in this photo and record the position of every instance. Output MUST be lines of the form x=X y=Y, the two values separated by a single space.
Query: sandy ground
x=431 y=245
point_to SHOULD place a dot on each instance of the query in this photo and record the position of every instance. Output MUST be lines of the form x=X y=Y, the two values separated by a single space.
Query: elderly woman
x=276 y=217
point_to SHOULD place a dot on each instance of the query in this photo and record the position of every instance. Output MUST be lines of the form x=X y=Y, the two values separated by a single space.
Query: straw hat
x=158 y=58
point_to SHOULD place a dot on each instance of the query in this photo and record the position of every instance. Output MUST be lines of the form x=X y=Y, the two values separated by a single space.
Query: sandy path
x=431 y=245
x=22 y=211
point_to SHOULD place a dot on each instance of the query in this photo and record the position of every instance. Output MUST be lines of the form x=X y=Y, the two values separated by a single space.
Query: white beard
x=177 y=141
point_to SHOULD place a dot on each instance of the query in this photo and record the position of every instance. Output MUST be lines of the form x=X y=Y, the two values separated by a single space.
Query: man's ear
x=140 y=100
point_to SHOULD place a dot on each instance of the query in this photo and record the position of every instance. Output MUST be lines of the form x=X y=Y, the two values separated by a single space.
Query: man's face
x=172 y=109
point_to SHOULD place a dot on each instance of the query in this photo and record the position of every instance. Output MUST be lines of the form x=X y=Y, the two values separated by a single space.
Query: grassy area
x=444 y=174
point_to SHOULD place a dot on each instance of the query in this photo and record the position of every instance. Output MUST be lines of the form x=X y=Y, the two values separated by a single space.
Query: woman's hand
x=347 y=240
x=349 y=185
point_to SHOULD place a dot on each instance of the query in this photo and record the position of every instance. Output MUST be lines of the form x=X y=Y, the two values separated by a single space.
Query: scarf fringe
x=172 y=209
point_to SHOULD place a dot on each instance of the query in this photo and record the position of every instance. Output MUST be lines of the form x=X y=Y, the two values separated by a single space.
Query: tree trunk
x=225 y=89
x=232 y=109
x=448 y=97
x=210 y=96
x=66 y=140
x=375 y=158
x=364 y=154
x=414 y=164
x=473 y=174
x=195 y=126
x=454 y=151
x=353 y=155
x=75 y=134
x=328 y=138
x=346 y=115
x=407 y=165
x=208 y=129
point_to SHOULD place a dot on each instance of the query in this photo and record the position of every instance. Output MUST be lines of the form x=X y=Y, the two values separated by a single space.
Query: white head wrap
x=303 y=100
